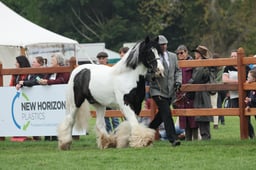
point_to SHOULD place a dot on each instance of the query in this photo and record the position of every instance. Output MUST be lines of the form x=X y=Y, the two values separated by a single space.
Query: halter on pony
x=122 y=86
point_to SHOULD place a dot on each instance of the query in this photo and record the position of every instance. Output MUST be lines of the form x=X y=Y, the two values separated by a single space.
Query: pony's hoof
x=106 y=141
x=141 y=137
x=64 y=146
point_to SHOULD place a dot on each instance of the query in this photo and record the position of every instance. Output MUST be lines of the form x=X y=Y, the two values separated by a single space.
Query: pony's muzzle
x=159 y=73
x=159 y=70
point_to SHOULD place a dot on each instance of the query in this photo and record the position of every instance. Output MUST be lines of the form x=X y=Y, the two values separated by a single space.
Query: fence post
x=242 y=94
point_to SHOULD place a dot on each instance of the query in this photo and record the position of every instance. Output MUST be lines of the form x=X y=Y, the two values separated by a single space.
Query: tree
x=156 y=15
x=219 y=25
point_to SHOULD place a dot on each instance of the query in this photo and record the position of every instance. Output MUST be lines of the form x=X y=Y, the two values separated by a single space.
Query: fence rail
x=241 y=86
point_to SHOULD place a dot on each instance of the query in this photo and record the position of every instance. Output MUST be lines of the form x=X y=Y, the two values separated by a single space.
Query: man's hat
x=102 y=54
x=162 y=40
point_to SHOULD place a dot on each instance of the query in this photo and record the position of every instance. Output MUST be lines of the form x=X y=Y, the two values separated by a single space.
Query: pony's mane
x=132 y=59
x=129 y=61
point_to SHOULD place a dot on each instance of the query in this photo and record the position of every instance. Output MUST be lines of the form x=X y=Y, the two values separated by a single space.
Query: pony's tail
x=82 y=116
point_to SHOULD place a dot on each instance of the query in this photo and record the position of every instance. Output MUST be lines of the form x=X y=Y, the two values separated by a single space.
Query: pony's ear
x=147 y=39
x=156 y=39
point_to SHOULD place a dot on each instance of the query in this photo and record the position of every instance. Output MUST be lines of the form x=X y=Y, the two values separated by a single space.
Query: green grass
x=224 y=151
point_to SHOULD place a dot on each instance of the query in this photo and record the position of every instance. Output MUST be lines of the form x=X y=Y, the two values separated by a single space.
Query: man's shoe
x=176 y=143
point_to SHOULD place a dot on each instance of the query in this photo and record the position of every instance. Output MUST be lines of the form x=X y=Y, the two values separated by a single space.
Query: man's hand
x=177 y=86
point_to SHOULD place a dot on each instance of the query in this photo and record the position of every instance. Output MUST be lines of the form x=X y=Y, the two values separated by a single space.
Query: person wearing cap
x=183 y=101
x=162 y=90
x=111 y=122
x=202 y=99
x=102 y=58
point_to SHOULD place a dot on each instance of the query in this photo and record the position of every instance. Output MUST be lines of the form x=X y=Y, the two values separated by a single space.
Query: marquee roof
x=18 y=31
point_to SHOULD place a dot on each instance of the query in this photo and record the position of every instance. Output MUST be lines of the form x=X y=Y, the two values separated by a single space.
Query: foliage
x=156 y=15
x=219 y=25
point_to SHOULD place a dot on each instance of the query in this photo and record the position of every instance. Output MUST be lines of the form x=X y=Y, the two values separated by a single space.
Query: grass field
x=224 y=151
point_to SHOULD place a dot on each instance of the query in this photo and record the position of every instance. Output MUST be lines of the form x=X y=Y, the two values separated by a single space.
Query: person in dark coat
x=202 y=99
x=183 y=101
x=32 y=79
x=21 y=62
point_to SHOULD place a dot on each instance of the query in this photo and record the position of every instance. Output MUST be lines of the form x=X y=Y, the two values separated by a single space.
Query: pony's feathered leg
x=141 y=135
x=64 y=129
x=100 y=121
x=79 y=117
x=82 y=116
x=65 y=132
x=104 y=140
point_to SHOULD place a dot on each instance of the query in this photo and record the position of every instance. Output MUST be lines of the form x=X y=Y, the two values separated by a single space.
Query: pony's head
x=146 y=52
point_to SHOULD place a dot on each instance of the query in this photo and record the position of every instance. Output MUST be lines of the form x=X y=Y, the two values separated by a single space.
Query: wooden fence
x=241 y=61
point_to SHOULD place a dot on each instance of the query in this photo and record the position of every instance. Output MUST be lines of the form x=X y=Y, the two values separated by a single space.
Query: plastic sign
x=32 y=111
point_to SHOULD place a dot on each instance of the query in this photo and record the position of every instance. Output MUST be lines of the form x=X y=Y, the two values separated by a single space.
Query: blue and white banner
x=32 y=111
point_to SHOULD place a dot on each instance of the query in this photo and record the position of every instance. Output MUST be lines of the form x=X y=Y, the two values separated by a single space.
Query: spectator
x=179 y=132
x=111 y=122
x=57 y=60
x=230 y=75
x=201 y=75
x=31 y=80
x=21 y=62
x=250 y=100
x=219 y=97
x=252 y=65
x=122 y=51
x=162 y=92
x=183 y=101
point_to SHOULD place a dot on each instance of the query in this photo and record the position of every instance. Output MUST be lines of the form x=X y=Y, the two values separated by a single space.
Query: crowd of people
x=164 y=91
x=195 y=127
x=57 y=60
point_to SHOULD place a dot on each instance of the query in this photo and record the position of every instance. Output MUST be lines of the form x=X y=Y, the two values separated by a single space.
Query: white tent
x=87 y=53
x=17 y=32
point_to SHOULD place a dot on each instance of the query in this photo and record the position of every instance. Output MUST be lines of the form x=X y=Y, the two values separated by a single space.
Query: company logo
x=15 y=98
x=29 y=112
